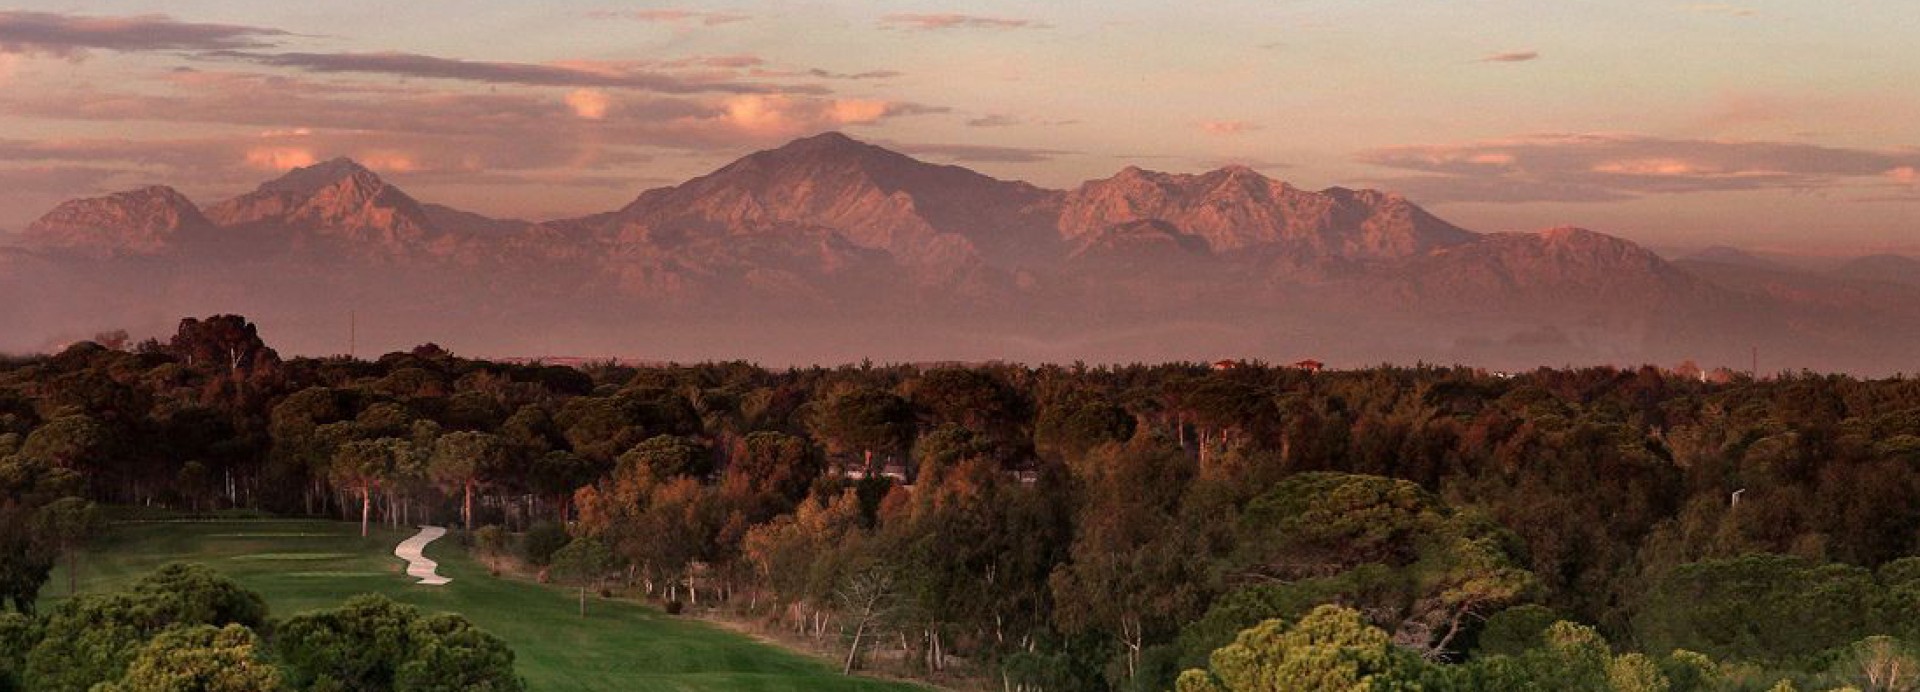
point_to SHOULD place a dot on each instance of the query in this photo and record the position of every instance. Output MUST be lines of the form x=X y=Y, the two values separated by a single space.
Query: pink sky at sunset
x=1770 y=123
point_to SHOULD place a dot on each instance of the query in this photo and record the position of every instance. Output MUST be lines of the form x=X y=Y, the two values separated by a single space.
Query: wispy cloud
x=611 y=76
x=931 y=22
x=1597 y=167
x=993 y=120
x=68 y=35
x=977 y=153
x=1229 y=127
x=673 y=16
x=870 y=74
x=1513 y=56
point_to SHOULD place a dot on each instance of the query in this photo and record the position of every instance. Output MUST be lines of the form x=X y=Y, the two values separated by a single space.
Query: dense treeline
x=1067 y=527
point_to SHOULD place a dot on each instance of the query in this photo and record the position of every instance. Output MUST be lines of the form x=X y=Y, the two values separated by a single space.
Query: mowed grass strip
x=305 y=564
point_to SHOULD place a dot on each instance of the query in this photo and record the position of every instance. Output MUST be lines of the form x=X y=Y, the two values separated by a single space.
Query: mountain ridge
x=828 y=230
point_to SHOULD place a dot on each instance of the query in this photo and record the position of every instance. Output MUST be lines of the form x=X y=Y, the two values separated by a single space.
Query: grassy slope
x=300 y=565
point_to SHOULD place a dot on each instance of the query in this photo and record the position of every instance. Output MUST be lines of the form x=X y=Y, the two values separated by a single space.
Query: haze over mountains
x=831 y=250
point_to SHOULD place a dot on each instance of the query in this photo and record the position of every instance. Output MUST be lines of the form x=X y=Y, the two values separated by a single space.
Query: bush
x=492 y=541
x=1515 y=630
x=18 y=635
x=674 y=607
x=541 y=542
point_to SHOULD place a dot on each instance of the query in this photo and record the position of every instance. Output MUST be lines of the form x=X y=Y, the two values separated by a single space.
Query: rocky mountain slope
x=833 y=249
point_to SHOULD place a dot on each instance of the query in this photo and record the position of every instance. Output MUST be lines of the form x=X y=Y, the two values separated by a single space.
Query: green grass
x=301 y=565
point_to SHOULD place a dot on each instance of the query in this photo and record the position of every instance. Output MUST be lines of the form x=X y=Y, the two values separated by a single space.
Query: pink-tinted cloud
x=776 y=115
x=1906 y=175
x=1228 y=127
x=673 y=16
x=1513 y=56
x=1597 y=167
x=591 y=104
x=280 y=158
x=570 y=74
x=68 y=35
x=931 y=22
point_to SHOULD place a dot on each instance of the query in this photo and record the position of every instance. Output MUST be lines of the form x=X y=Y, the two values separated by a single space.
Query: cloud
x=280 y=158
x=872 y=74
x=728 y=61
x=572 y=74
x=976 y=153
x=588 y=103
x=673 y=16
x=1243 y=162
x=1228 y=127
x=1907 y=175
x=1513 y=56
x=779 y=115
x=1720 y=8
x=1600 y=167
x=931 y=22
x=993 y=121
x=70 y=36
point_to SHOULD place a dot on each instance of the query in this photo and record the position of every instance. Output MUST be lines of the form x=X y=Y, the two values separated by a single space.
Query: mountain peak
x=829 y=145
x=339 y=198
x=308 y=180
x=141 y=221
x=1235 y=207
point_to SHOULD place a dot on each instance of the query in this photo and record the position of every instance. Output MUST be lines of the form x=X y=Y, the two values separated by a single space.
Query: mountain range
x=829 y=249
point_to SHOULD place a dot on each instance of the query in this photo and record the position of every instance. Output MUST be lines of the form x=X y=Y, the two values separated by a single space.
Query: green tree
x=365 y=465
x=1332 y=649
x=584 y=561
x=462 y=459
x=67 y=523
x=92 y=638
x=19 y=633
x=202 y=658
x=372 y=644
x=451 y=655
x=1758 y=607
x=865 y=420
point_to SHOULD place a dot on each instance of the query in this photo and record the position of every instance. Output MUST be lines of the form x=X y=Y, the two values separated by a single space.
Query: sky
x=1782 y=125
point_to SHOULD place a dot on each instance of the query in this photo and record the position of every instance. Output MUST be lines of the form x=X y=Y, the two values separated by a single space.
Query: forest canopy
x=1064 y=527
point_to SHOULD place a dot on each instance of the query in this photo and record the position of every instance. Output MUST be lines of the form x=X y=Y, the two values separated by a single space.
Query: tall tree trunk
x=366 y=508
x=466 y=507
x=583 y=599
x=857 y=631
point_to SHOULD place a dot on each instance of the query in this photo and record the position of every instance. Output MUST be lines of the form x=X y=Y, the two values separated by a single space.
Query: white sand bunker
x=418 y=566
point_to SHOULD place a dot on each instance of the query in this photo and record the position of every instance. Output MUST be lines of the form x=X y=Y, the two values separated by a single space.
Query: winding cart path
x=418 y=565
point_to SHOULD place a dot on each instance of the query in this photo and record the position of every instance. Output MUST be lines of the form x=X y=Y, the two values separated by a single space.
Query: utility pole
x=1754 y=372
x=353 y=333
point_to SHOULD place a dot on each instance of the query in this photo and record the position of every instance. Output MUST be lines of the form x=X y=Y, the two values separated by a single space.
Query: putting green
x=618 y=646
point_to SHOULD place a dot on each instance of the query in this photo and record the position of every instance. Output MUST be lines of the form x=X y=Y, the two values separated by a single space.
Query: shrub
x=541 y=542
